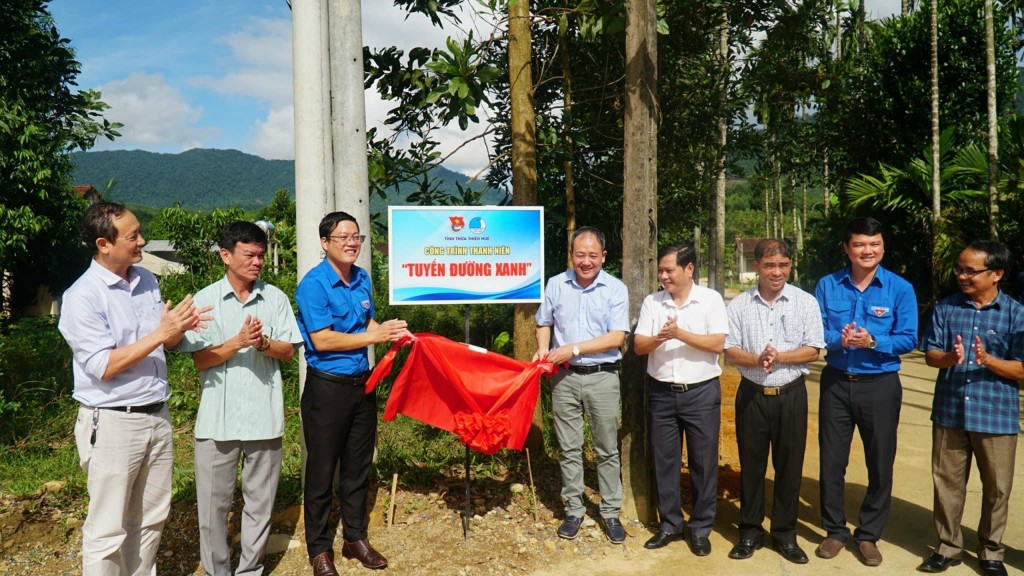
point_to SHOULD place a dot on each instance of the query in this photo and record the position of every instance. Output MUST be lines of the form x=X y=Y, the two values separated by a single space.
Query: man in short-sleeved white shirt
x=683 y=328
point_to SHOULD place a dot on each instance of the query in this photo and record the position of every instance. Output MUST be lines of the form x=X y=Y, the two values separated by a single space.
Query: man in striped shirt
x=976 y=339
x=775 y=330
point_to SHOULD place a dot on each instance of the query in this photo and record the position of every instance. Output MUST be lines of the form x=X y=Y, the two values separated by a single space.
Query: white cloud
x=275 y=136
x=155 y=115
x=260 y=57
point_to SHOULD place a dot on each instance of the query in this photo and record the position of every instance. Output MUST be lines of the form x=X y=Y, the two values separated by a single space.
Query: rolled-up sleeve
x=87 y=331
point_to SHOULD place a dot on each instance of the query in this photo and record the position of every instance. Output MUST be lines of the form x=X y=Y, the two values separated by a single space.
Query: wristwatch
x=575 y=350
x=872 y=343
x=264 y=343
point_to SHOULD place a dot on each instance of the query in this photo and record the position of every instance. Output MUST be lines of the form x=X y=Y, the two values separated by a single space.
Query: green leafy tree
x=42 y=119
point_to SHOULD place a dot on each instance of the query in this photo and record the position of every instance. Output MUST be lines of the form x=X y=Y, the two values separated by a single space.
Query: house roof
x=159 y=266
x=747 y=244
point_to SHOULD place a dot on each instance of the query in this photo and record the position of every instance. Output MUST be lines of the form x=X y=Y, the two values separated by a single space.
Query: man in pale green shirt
x=241 y=412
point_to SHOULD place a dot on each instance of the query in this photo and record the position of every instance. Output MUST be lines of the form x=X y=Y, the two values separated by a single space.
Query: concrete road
x=909 y=536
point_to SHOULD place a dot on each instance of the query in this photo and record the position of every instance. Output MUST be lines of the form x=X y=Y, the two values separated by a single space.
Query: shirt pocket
x=838 y=314
x=878 y=317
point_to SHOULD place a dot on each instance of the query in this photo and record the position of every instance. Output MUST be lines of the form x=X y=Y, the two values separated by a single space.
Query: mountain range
x=204 y=179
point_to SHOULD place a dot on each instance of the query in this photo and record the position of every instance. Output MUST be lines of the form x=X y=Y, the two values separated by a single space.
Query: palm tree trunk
x=723 y=140
x=993 y=123
x=936 y=216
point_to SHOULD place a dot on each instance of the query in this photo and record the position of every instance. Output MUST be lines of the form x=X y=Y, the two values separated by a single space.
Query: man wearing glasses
x=870 y=319
x=113 y=319
x=339 y=420
x=241 y=412
x=976 y=339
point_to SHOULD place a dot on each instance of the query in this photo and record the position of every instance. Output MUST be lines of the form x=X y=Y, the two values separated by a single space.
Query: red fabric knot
x=485 y=433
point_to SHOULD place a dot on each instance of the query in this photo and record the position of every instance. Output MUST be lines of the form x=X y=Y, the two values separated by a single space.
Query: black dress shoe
x=937 y=563
x=993 y=567
x=661 y=539
x=700 y=545
x=745 y=549
x=790 y=551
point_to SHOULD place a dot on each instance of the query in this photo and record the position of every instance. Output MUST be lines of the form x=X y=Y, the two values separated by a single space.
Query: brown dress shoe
x=362 y=551
x=323 y=564
x=869 y=552
x=829 y=548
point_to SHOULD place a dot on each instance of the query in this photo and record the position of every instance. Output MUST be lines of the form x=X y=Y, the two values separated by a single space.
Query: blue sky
x=217 y=74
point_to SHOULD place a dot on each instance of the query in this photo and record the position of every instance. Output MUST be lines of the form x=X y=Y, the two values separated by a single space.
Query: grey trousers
x=597 y=395
x=216 y=473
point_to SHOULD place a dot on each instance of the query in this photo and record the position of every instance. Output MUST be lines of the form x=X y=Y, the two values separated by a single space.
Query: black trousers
x=697 y=415
x=778 y=423
x=873 y=407
x=339 y=423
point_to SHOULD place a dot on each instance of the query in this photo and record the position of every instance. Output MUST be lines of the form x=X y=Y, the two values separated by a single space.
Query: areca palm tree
x=907 y=192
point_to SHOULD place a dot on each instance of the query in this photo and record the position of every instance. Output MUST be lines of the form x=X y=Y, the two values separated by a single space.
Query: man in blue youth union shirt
x=870 y=319
x=976 y=338
x=339 y=420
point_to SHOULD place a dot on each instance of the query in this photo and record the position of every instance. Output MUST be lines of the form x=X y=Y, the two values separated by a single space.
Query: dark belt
x=684 y=387
x=357 y=380
x=853 y=377
x=609 y=367
x=150 y=409
x=778 y=390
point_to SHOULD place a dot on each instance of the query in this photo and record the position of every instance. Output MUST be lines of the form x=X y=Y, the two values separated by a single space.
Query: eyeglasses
x=967 y=273
x=354 y=239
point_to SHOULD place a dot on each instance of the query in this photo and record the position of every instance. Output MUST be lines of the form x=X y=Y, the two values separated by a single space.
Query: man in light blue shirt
x=241 y=412
x=582 y=323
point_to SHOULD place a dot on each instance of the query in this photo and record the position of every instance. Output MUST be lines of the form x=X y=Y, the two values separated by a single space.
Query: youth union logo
x=458 y=223
x=477 y=225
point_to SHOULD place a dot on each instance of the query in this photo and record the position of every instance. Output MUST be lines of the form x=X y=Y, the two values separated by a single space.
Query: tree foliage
x=42 y=119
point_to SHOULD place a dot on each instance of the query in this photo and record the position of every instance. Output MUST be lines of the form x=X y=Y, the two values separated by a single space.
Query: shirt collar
x=226 y=291
x=881 y=275
x=996 y=302
x=599 y=280
x=785 y=295
x=111 y=279
x=696 y=296
x=335 y=279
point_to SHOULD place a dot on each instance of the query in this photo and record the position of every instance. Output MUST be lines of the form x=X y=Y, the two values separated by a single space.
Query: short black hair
x=771 y=247
x=330 y=221
x=98 y=222
x=587 y=230
x=997 y=254
x=241 y=231
x=685 y=254
x=866 y=226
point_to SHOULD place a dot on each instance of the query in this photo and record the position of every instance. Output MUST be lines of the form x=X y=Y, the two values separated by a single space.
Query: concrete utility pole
x=348 y=117
x=312 y=170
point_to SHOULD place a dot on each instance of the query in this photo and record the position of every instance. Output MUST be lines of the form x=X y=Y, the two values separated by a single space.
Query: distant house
x=87 y=191
x=162 y=248
x=745 y=259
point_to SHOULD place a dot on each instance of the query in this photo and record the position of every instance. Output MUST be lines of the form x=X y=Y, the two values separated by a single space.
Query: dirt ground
x=38 y=536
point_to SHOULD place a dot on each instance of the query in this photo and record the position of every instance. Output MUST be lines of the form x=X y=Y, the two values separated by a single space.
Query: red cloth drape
x=487 y=399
